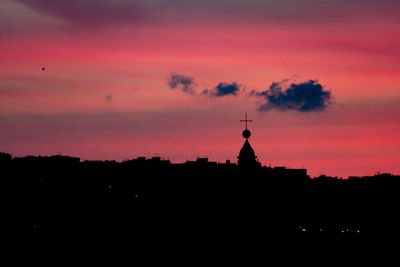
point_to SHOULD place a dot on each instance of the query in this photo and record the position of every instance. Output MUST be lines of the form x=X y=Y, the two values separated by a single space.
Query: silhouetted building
x=200 y=163
x=5 y=157
x=247 y=158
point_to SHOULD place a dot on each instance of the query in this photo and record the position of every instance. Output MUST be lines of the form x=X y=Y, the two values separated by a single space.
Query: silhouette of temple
x=247 y=158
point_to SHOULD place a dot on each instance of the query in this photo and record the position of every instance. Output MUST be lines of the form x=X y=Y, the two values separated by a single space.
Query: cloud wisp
x=304 y=97
x=223 y=89
x=108 y=98
x=185 y=83
x=89 y=13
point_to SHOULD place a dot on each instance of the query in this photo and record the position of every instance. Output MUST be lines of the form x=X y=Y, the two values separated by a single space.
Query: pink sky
x=127 y=49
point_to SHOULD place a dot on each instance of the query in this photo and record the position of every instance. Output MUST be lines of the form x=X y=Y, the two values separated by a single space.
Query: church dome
x=247 y=158
x=247 y=152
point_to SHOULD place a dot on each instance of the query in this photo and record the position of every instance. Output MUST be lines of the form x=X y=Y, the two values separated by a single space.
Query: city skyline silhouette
x=153 y=204
x=54 y=192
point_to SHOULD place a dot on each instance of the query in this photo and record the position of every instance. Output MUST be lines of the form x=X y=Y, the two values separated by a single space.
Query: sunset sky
x=173 y=78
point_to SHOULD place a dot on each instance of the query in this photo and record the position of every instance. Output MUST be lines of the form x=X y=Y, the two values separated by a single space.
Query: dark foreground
x=154 y=205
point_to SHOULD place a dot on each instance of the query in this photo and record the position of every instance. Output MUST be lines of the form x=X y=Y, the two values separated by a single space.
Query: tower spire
x=247 y=157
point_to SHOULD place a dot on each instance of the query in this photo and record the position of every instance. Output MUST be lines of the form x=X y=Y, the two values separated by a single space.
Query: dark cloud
x=108 y=98
x=223 y=89
x=106 y=13
x=185 y=83
x=305 y=97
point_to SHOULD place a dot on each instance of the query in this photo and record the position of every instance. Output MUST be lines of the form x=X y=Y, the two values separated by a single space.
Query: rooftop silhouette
x=150 y=197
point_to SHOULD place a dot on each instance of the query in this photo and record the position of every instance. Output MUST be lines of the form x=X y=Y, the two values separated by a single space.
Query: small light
x=358 y=231
x=320 y=230
x=304 y=229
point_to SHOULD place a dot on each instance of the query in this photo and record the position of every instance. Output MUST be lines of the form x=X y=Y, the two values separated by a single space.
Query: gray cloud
x=107 y=13
x=185 y=83
x=89 y=13
x=304 y=97
x=223 y=89
x=281 y=12
x=108 y=98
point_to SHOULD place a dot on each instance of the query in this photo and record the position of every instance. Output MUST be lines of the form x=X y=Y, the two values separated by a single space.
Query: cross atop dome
x=246 y=133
